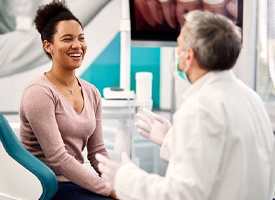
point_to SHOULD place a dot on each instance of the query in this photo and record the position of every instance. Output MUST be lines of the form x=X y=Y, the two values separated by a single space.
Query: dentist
x=222 y=146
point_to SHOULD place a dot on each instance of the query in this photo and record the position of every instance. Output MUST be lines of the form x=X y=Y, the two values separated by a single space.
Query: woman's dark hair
x=48 y=16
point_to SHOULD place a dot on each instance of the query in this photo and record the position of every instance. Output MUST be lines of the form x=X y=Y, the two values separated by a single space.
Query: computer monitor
x=145 y=31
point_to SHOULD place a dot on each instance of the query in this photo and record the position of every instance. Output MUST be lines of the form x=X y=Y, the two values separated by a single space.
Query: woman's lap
x=71 y=191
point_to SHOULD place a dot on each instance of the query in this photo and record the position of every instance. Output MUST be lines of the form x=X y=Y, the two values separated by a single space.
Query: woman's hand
x=113 y=194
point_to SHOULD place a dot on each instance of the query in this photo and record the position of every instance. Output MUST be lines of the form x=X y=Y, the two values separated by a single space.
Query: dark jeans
x=71 y=191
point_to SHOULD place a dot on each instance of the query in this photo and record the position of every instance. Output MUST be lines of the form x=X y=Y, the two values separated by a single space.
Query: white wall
x=13 y=86
x=245 y=67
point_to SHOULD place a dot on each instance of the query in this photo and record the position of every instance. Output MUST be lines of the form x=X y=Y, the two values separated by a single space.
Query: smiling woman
x=71 y=109
x=68 y=46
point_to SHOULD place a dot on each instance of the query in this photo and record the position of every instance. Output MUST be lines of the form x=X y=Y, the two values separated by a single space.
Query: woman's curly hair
x=48 y=16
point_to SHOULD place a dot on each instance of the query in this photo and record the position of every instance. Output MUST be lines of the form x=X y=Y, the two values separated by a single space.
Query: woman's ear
x=47 y=46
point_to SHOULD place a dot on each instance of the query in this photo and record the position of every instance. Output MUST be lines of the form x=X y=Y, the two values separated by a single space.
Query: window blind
x=266 y=50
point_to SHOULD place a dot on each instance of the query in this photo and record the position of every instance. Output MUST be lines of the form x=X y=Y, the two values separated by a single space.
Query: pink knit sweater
x=56 y=134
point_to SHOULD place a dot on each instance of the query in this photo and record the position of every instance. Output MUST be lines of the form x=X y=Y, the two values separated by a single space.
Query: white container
x=144 y=85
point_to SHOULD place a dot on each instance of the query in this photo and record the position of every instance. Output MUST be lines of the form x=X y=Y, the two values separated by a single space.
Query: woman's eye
x=82 y=39
x=67 y=39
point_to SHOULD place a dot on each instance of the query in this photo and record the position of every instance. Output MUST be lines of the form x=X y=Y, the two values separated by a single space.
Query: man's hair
x=215 y=39
x=48 y=16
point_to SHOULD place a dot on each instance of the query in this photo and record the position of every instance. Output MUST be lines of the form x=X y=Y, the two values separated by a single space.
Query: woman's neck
x=67 y=78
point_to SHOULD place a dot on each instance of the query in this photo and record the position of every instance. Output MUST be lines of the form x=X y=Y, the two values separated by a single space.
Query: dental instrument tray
x=117 y=93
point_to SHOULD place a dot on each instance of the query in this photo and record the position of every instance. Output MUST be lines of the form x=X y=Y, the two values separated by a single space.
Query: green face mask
x=181 y=74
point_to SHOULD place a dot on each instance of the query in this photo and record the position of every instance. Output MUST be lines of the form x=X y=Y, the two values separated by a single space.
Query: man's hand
x=152 y=126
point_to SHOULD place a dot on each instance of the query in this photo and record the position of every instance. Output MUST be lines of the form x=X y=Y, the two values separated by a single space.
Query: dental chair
x=22 y=175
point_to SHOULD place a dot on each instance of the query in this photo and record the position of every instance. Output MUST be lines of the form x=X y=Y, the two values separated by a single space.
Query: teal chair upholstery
x=21 y=156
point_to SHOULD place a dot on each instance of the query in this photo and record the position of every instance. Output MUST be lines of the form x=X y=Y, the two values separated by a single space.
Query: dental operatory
x=137 y=100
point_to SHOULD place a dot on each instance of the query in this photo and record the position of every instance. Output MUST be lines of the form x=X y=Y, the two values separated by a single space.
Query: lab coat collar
x=207 y=79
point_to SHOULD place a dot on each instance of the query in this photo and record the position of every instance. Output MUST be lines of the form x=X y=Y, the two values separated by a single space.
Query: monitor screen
x=158 y=22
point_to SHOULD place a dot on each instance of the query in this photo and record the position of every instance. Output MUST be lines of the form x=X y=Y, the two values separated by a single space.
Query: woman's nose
x=76 y=44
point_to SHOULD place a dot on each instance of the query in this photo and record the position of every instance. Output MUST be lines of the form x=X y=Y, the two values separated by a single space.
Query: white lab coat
x=222 y=148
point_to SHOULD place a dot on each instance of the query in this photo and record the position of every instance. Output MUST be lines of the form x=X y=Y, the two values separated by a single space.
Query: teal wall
x=105 y=70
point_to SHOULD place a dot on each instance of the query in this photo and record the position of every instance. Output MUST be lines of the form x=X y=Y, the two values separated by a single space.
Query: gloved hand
x=108 y=168
x=152 y=126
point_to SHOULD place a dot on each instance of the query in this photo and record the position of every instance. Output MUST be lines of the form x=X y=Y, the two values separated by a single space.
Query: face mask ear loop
x=178 y=59
x=186 y=68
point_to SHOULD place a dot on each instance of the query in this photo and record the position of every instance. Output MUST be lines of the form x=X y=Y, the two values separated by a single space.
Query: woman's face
x=69 y=45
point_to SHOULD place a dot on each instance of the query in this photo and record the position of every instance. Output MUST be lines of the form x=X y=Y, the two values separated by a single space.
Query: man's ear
x=47 y=46
x=190 y=56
